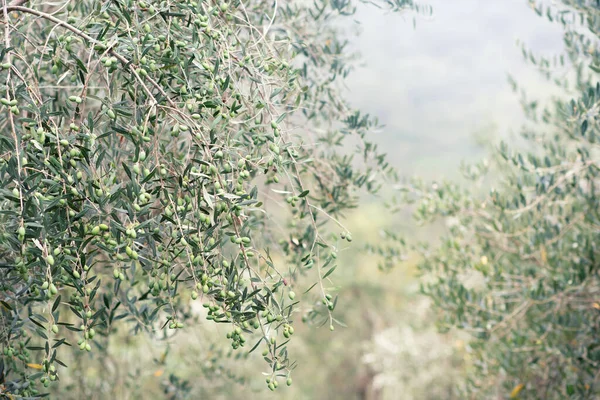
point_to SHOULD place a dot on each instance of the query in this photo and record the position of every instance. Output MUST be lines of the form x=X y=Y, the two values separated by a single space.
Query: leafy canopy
x=518 y=268
x=157 y=153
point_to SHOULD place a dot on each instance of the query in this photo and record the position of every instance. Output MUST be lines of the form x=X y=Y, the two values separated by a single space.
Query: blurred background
x=440 y=87
x=440 y=84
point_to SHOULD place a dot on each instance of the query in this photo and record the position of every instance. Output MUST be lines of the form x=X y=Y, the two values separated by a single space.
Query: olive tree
x=157 y=153
x=518 y=267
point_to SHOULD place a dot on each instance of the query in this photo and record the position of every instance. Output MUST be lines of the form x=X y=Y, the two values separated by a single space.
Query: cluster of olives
x=84 y=343
x=50 y=374
x=11 y=104
x=19 y=352
x=272 y=383
x=237 y=338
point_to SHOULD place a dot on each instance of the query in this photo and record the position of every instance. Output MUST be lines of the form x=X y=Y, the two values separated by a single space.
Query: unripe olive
x=55 y=329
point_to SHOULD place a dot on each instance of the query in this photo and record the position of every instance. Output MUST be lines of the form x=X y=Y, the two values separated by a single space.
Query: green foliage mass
x=519 y=267
x=155 y=154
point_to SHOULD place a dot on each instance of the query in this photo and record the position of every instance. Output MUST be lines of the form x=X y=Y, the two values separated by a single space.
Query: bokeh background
x=440 y=86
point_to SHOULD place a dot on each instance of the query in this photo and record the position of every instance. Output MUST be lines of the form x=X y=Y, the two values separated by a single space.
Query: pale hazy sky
x=435 y=85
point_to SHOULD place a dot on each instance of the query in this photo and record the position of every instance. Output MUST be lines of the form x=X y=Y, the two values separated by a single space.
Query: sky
x=438 y=84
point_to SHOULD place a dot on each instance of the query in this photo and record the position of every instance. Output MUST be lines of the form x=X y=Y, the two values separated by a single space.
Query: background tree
x=518 y=267
x=154 y=154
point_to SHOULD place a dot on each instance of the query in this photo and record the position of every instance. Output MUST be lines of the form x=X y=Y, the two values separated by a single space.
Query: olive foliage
x=519 y=267
x=156 y=153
